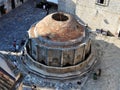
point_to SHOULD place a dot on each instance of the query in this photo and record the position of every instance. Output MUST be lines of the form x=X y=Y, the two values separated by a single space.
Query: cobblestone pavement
x=15 y=24
x=109 y=64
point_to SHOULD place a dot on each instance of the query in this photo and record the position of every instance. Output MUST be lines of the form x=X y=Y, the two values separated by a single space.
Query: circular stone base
x=51 y=75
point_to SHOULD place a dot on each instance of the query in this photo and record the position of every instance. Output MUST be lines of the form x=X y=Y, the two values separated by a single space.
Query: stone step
x=4 y=86
x=5 y=82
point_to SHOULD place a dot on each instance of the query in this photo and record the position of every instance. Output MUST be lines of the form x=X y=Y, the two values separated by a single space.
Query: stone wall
x=8 y=5
x=42 y=54
x=58 y=70
x=79 y=54
x=68 y=57
x=19 y=2
x=104 y=17
x=54 y=57
x=97 y=16
x=57 y=57
x=68 y=6
x=87 y=46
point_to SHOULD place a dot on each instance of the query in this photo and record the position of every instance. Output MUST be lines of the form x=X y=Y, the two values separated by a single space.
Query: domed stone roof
x=60 y=27
x=59 y=47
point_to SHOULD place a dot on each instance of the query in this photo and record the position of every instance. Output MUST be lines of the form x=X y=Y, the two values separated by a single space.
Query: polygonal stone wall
x=59 y=58
x=87 y=47
x=54 y=57
x=42 y=55
x=79 y=55
x=68 y=57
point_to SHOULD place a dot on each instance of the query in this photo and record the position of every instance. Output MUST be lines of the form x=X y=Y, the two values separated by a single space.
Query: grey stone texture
x=98 y=16
x=68 y=6
x=60 y=60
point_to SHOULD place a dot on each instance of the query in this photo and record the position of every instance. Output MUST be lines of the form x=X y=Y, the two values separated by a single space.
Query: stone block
x=68 y=57
x=54 y=57
x=79 y=55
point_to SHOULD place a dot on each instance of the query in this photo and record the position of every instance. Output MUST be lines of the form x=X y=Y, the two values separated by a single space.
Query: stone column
x=37 y=52
x=74 y=57
x=61 y=58
x=0 y=14
x=30 y=46
x=83 y=57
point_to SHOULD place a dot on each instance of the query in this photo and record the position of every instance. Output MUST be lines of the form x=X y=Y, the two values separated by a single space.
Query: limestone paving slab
x=15 y=25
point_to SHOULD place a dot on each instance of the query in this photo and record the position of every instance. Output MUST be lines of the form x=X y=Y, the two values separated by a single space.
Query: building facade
x=8 y=5
x=8 y=80
x=98 y=14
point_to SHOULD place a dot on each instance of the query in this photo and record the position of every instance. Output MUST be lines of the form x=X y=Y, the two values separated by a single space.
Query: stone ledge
x=69 y=75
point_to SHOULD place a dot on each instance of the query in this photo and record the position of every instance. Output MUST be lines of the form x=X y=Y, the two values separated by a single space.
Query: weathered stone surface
x=98 y=16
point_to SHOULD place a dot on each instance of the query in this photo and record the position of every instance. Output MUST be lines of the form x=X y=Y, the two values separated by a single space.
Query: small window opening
x=100 y=1
x=119 y=34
